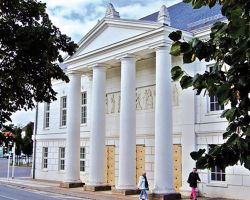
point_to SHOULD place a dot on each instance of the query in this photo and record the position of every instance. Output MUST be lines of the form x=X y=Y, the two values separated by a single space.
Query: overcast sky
x=76 y=17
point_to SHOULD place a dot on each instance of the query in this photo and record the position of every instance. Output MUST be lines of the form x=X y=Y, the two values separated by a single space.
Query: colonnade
x=163 y=171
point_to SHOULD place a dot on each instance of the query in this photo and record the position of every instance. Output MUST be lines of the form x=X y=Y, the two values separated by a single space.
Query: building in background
x=121 y=114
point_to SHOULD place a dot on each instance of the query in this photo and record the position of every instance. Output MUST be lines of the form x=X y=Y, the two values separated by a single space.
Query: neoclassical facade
x=121 y=114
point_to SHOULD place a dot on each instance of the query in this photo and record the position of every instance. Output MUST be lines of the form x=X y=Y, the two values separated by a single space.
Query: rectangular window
x=61 y=158
x=63 y=111
x=214 y=104
x=46 y=117
x=45 y=157
x=84 y=108
x=213 y=100
x=218 y=174
x=82 y=159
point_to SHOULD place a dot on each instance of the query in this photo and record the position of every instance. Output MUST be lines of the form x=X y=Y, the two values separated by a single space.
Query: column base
x=94 y=188
x=185 y=191
x=71 y=184
x=125 y=191
x=170 y=196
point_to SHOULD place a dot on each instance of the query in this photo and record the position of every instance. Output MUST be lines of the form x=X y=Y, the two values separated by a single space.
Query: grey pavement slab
x=53 y=187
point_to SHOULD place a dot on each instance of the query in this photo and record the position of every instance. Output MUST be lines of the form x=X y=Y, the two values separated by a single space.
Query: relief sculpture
x=138 y=101
x=148 y=99
x=112 y=103
x=145 y=99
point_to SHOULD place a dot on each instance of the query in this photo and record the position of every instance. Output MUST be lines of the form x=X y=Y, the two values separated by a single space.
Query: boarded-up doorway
x=140 y=161
x=177 y=167
x=110 y=165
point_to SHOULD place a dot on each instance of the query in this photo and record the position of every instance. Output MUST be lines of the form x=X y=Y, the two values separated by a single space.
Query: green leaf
x=211 y=3
x=197 y=154
x=187 y=1
x=195 y=42
x=188 y=57
x=224 y=113
x=226 y=134
x=233 y=139
x=176 y=73
x=230 y=114
x=202 y=163
x=237 y=28
x=223 y=92
x=175 y=49
x=185 y=47
x=175 y=36
x=197 y=4
x=186 y=81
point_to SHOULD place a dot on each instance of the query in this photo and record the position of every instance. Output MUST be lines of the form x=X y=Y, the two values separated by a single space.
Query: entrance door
x=177 y=166
x=110 y=165
x=140 y=161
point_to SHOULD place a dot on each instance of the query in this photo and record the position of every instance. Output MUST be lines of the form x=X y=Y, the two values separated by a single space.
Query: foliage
x=18 y=140
x=27 y=140
x=229 y=80
x=29 y=51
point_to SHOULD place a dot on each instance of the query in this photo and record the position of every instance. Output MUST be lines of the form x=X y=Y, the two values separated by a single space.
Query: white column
x=127 y=142
x=188 y=140
x=72 y=171
x=98 y=130
x=163 y=172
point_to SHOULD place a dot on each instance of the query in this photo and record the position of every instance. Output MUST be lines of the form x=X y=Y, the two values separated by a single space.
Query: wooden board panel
x=140 y=161
x=177 y=167
x=110 y=165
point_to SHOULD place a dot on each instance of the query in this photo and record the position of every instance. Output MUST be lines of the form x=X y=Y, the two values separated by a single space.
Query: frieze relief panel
x=145 y=99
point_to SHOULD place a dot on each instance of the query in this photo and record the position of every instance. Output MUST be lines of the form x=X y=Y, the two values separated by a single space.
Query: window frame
x=82 y=159
x=216 y=172
x=84 y=111
x=61 y=159
x=213 y=100
x=45 y=157
x=217 y=175
x=46 y=115
x=63 y=118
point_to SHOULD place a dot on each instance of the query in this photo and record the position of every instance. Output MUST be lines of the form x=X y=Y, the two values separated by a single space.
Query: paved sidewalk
x=53 y=187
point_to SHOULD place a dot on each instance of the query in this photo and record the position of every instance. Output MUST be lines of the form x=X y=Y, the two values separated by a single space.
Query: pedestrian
x=193 y=178
x=143 y=186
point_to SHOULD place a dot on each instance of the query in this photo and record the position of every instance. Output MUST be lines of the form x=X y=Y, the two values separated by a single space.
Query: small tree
x=229 y=45
x=27 y=140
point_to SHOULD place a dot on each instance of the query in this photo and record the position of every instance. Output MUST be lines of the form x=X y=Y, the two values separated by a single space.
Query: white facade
x=124 y=68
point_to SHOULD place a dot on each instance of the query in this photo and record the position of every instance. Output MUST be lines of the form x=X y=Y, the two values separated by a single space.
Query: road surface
x=18 y=172
x=13 y=193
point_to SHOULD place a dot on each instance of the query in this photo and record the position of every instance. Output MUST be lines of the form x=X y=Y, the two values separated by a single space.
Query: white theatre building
x=121 y=114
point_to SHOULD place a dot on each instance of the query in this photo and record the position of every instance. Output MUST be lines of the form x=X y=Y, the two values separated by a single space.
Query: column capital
x=100 y=66
x=127 y=56
x=73 y=73
x=162 y=48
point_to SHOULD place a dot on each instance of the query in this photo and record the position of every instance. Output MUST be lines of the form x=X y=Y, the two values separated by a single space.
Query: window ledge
x=61 y=171
x=216 y=112
x=45 y=170
x=62 y=127
x=217 y=184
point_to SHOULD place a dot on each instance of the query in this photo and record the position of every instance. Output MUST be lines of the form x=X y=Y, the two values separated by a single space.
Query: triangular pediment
x=109 y=32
